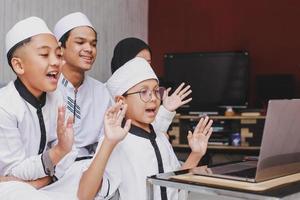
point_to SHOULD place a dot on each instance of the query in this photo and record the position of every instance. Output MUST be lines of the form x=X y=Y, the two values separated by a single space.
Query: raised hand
x=199 y=139
x=65 y=133
x=113 y=123
x=176 y=99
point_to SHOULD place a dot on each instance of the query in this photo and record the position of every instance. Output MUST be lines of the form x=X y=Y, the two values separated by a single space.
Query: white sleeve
x=163 y=120
x=112 y=175
x=13 y=160
x=64 y=164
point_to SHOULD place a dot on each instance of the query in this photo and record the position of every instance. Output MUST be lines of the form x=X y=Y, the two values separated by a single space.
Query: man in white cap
x=144 y=151
x=28 y=125
x=86 y=98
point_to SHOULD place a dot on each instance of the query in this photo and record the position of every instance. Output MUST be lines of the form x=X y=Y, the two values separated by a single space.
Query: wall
x=113 y=20
x=268 y=30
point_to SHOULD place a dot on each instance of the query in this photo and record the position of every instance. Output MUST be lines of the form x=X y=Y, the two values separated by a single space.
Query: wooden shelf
x=222 y=147
x=238 y=117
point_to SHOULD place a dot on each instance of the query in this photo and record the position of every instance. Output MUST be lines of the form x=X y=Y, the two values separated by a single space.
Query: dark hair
x=126 y=50
x=65 y=37
x=12 y=50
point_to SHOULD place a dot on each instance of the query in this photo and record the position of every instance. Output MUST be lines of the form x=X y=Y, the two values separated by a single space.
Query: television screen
x=217 y=79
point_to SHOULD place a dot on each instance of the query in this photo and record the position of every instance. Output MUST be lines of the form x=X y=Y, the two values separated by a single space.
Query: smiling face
x=141 y=113
x=80 y=49
x=37 y=63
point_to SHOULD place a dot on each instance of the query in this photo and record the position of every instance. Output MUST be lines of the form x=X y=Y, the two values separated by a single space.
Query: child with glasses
x=132 y=47
x=143 y=152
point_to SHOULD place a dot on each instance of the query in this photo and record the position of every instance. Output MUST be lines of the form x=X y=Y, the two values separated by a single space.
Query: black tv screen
x=217 y=79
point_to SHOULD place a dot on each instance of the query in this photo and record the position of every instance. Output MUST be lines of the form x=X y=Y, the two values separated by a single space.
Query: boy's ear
x=17 y=65
x=118 y=98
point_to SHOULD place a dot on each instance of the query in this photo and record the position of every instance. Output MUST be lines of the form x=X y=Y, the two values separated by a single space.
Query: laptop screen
x=280 y=149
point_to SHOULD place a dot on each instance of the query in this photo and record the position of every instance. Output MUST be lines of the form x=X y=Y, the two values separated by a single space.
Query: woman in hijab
x=127 y=49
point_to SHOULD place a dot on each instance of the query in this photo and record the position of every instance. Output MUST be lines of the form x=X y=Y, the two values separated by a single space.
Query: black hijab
x=126 y=50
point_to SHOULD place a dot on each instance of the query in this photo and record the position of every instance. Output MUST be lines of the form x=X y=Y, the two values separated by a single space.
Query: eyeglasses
x=146 y=94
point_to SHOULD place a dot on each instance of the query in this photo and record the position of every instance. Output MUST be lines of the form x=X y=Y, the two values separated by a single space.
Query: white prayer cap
x=69 y=22
x=25 y=29
x=130 y=74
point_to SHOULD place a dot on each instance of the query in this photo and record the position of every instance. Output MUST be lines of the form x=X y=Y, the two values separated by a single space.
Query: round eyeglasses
x=146 y=94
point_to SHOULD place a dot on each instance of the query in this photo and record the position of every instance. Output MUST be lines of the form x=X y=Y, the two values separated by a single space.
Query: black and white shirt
x=87 y=104
x=138 y=156
x=27 y=130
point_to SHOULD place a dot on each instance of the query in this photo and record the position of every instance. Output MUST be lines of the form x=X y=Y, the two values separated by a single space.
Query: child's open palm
x=113 y=122
x=65 y=132
x=176 y=99
x=199 y=139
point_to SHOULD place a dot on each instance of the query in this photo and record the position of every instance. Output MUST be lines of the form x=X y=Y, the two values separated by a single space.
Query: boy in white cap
x=144 y=151
x=29 y=122
x=87 y=98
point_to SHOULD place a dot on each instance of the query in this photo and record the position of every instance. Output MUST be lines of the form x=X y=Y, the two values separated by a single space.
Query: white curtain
x=113 y=20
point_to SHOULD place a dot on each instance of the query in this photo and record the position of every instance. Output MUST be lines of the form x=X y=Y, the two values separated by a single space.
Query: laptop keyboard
x=246 y=173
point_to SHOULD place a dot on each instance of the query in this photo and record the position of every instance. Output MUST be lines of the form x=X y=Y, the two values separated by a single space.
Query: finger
x=209 y=134
x=186 y=101
x=69 y=126
x=203 y=124
x=127 y=125
x=207 y=127
x=119 y=113
x=184 y=90
x=186 y=94
x=116 y=110
x=70 y=122
x=122 y=114
x=109 y=112
x=179 y=88
x=166 y=93
x=60 y=119
x=196 y=130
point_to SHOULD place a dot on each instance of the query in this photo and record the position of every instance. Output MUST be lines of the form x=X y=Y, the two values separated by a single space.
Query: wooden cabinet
x=250 y=129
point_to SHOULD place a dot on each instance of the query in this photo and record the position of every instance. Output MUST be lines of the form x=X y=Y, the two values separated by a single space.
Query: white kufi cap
x=69 y=22
x=130 y=74
x=25 y=29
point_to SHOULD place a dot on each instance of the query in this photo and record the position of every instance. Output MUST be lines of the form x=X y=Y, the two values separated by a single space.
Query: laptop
x=280 y=147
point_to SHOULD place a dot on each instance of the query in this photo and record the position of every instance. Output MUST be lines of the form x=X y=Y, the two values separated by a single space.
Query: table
x=202 y=191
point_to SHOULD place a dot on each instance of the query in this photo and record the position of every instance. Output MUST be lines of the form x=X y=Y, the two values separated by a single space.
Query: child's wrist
x=168 y=109
x=56 y=154
x=112 y=143
x=196 y=155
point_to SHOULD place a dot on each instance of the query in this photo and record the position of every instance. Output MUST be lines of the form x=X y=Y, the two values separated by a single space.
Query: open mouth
x=52 y=75
x=151 y=111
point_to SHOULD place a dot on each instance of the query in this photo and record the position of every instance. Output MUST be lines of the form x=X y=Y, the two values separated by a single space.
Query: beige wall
x=113 y=20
